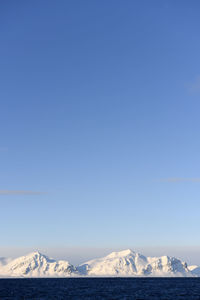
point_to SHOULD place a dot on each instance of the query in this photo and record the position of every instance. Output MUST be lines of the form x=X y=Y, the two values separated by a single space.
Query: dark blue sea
x=100 y=288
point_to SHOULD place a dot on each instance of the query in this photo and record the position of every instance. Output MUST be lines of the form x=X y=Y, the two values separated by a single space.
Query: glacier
x=126 y=263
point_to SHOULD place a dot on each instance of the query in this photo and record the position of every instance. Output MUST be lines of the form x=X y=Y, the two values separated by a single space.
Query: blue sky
x=99 y=123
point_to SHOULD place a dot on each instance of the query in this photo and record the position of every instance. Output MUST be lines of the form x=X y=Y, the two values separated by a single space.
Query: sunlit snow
x=124 y=263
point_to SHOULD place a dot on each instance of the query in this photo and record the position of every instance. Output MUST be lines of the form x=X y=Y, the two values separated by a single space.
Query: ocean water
x=100 y=288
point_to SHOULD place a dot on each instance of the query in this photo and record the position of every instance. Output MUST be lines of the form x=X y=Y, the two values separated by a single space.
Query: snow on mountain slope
x=37 y=265
x=123 y=263
x=130 y=263
x=195 y=270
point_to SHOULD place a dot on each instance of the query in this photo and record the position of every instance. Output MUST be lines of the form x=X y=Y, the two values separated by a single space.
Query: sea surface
x=100 y=288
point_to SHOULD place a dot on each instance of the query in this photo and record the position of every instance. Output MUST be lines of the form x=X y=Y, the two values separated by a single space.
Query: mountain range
x=125 y=263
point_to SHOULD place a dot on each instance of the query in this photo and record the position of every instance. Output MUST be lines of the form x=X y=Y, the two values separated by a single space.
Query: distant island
x=125 y=263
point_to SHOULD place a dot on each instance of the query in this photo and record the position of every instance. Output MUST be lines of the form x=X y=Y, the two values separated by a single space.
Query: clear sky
x=99 y=123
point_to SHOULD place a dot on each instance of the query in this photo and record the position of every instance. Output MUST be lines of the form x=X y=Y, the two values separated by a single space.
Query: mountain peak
x=122 y=253
x=35 y=253
x=130 y=263
x=123 y=263
x=36 y=264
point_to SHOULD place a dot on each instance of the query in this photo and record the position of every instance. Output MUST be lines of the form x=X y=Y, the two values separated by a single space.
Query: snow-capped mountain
x=124 y=263
x=130 y=263
x=37 y=265
x=195 y=270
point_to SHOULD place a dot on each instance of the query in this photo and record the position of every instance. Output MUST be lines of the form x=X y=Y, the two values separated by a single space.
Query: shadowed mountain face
x=123 y=263
x=195 y=270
